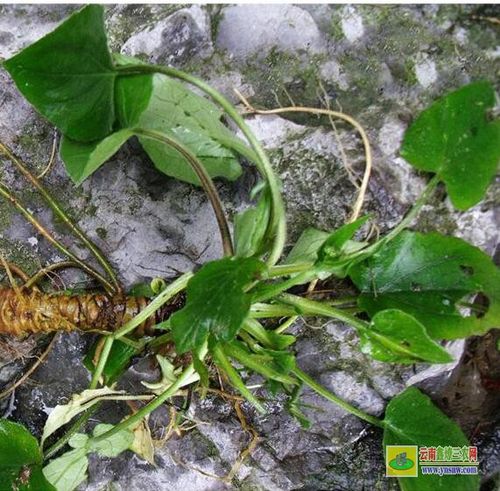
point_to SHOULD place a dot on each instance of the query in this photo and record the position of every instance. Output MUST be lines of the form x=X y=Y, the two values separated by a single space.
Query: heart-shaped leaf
x=454 y=139
x=412 y=419
x=426 y=275
x=83 y=159
x=68 y=76
x=157 y=102
x=397 y=337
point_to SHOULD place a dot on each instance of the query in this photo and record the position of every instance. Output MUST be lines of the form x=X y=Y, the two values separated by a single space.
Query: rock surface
x=380 y=64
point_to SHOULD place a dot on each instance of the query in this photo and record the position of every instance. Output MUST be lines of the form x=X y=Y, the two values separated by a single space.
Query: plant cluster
x=414 y=289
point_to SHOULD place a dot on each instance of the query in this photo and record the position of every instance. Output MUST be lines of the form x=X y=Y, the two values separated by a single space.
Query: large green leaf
x=397 y=337
x=83 y=159
x=20 y=459
x=216 y=302
x=157 y=102
x=412 y=419
x=68 y=76
x=425 y=275
x=454 y=139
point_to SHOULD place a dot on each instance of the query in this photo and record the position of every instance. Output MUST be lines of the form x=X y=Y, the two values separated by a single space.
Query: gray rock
x=177 y=38
x=247 y=30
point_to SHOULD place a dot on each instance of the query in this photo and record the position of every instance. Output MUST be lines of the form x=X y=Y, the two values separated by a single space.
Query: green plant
x=411 y=285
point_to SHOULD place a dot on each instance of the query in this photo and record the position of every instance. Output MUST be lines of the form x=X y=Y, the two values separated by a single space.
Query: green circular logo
x=401 y=463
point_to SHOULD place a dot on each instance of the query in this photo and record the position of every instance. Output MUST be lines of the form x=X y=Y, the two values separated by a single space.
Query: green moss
x=283 y=79
x=410 y=76
x=20 y=254
x=101 y=232
x=335 y=31
x=137 y=17
x=216 y=14
x=6 y=212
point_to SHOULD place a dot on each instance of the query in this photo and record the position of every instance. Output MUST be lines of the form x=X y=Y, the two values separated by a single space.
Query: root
x=6 y=392
x=358 y=205
x=114 y=286
x=250 y=448
x=30 y=281
x=51 y=159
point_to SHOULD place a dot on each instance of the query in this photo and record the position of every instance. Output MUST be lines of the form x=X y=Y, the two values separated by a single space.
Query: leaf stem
x=171 y=290
x=336 y=400
x=415 y=209
x=223 y=362
x=277 y=224
x=59 y=211
x=265 y=310
x=270 y=291
x=288 y=269
x=311 y=307
x=409 y=217
x=82 y=419
x=239 y=354
x=205 y=181
x=103 y=358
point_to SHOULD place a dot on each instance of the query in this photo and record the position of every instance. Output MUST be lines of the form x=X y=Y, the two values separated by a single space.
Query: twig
x=15 y=269
x=251 y=446
x=12 y=281
x=491 y=20
x=328 y=112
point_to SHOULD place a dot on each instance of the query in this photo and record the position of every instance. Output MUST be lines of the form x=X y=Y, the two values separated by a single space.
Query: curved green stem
x=406 y=221
x=59 y=211
x=205 y=180
x=277 y=223
x=322 y=391
x=311 y=307
x=271 y=291
x=223 y=362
